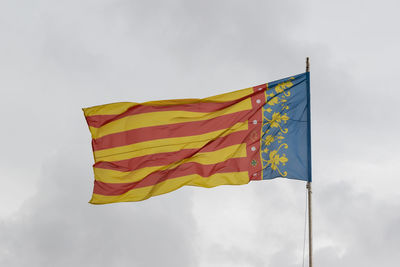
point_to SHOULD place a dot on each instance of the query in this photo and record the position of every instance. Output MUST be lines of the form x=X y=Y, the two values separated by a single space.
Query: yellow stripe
x=118 y=108
x=230 y=96
x=108 y=109
x=164 y=145
x=163 y=118
x=113 y=176
x=234 y=178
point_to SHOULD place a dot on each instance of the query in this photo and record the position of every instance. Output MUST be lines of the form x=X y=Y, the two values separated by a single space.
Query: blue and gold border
x=285 y=129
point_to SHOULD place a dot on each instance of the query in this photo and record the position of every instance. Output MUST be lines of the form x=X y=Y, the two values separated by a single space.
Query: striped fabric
x=148 y=149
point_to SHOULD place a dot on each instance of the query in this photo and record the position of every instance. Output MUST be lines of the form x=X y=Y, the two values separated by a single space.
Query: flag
x=147 y=149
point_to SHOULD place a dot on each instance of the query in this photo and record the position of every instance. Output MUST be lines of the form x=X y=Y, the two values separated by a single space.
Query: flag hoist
x=147 y=149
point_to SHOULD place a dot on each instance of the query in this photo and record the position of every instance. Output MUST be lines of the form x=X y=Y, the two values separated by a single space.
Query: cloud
x=60 y=57
x=263 y=225
x=358 y=228
x=57 y=227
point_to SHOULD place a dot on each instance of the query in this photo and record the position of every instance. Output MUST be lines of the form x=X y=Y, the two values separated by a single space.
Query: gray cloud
x=59 y=57
x=363 y=229
x=58 y=227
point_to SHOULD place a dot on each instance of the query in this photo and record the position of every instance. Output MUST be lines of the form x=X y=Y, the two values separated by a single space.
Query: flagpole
x=308 y=186
x=310 y=247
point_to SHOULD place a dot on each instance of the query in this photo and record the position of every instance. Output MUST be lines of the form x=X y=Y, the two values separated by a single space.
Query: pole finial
x=307 y=64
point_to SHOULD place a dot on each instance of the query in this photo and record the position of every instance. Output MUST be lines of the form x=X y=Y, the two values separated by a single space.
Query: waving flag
x=148 y=149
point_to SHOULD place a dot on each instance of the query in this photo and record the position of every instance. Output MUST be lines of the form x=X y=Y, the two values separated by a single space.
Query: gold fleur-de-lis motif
x=273 y=101
x=273 y=115
x=276 y=119
x=284 y=85
x=275 y=160
x=268 y=140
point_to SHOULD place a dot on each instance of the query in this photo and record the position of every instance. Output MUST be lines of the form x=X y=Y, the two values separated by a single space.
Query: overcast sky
x=59 y=56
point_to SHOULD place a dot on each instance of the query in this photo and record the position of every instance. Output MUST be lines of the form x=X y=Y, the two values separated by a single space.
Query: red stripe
x=230 y=165
x=100 y=120
x=170 y=130
x=161 y=159
x=253 y=140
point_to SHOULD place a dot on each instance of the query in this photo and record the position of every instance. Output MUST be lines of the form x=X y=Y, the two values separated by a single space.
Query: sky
x=60 y=56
